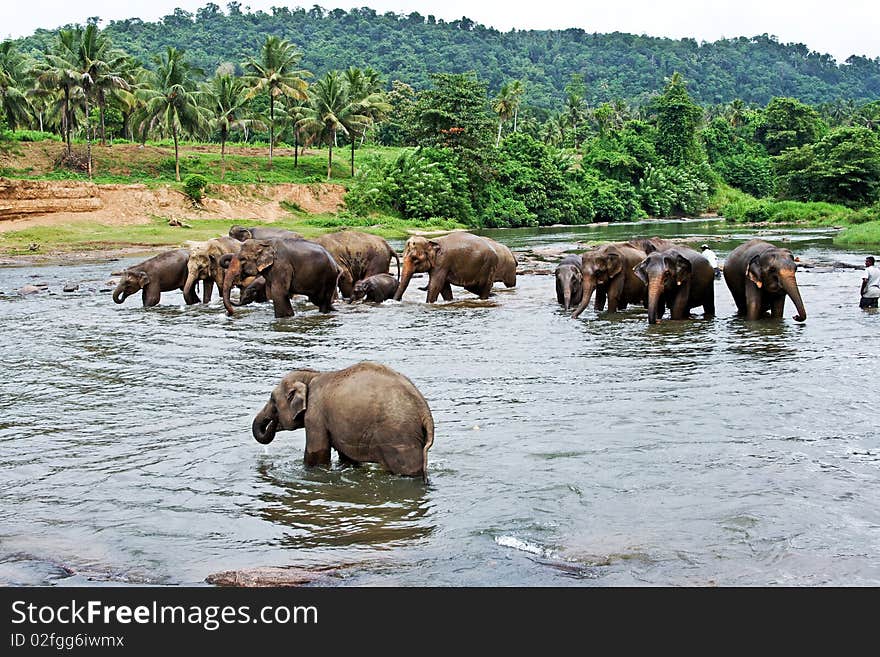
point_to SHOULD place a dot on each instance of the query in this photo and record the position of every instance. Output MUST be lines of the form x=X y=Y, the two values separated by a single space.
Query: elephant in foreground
x=760 y=276
x=366 y=412
x=289 y=266
x=680 y=279
x=569 y=281
x=376 y=288
x=359 y=255
x=459 y=258
x=162 y=273
x=609 y=271
x=506 y=270
x=241 y=233
x=204 y=264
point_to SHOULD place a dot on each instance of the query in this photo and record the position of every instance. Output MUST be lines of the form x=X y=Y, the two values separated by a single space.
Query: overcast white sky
x=838 y=27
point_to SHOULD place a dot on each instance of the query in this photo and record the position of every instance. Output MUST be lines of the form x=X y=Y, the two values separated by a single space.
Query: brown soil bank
x=26 y=203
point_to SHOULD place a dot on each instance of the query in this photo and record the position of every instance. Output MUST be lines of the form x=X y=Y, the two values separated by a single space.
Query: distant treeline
x=411 y=47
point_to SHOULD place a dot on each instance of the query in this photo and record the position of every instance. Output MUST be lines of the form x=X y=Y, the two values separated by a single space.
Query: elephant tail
x=428 y=428
x=397 y=258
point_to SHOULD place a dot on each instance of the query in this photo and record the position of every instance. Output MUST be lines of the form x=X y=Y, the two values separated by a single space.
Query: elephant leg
x=436 y=284
x=345 y=459
x=680 y=309
x=777 y=307
x=601 y=297
x=325 y=304
x=615 y=293
x=400 y=461
x=709 y=304
x=151 y=295
x=446 y=292
x=281 y=302
x=317 y=451
x=753 y=302
x=346 y=284
x=207 y=290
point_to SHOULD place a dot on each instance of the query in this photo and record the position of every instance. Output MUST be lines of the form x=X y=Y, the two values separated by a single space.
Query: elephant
x=679 y=278
x=376 y=288
x=204 y=264
x=359 y=255
x=651 y=244
x=162 y=273
x=569 y=281
x=506 y=270
x=290 y=266
x=609 y=271
x=241 y=233
x=366 y=412
x=459 y=258
x=760 y=276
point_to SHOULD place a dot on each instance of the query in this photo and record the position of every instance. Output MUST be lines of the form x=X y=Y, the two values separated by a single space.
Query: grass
x=861 y=234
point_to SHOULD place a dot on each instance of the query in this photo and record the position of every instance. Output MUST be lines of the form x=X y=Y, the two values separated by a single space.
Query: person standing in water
x=870 y=284
x=709 y=255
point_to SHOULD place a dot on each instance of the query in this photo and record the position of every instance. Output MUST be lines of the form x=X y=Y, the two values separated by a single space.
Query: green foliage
x=677 y=120
x=194 y=187
x=666 y=191
x=842 y=167
x=751 y=173
x=33 y=135
x=865 y=233
x=611 y=200
x=751 y=210
x=788 y=123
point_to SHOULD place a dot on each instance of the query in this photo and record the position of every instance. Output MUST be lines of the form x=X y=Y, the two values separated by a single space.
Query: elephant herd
x=659 y=274
x=338 y=409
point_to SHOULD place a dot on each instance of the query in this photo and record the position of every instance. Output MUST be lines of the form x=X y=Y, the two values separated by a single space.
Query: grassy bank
x=91 y=237
x=867 y=234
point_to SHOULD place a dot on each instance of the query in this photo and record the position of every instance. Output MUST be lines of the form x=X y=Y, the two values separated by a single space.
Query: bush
x=752 y=174
x=194 y=187
x=664 y=191
x=612 y=200
x=34 y=135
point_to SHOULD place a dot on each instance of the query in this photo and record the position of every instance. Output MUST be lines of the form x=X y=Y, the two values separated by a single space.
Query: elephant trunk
x=655 y=290
x=589 y=286
x=408 y=271
x=566 y=294
x=789 y=284
x=119 y=294
x=232 y=275
x=188 y=286
x=264 y=426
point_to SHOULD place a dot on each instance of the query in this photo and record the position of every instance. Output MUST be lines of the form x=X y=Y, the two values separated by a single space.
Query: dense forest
x=411 y=47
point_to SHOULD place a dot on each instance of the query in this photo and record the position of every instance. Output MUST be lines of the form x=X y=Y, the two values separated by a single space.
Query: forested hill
x=410 y=47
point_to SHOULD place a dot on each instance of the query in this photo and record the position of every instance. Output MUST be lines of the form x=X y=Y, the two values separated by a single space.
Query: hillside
x=410 y=47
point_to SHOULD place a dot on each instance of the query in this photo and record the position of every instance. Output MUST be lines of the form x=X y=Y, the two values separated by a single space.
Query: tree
x=226 y=100
x=58 y=73
x=788 y=123
x=14 y=103
x=678 y=118
x=503 y=107
x=172 y=101
x=365 y=91
x=276 y=73
x=331 y=111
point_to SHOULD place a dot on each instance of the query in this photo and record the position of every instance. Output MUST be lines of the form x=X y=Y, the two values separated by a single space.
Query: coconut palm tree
x=365 y=91
x=275 y=72
x=14 y=102
x=226 y=101
x=59 y=73
x=172 y=101
x=503 y=107
x=574 y=114
x=331 y=111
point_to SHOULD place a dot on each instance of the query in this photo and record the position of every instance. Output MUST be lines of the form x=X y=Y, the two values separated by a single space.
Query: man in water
x=870 y=284
x=709 y=255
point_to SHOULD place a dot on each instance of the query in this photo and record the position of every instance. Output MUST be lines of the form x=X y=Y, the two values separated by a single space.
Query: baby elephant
x=375 y=288
x=569 y=281
x=162 y=273
x=366 y=412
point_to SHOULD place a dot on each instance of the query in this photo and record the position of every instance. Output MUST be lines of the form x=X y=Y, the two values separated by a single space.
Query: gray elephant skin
x=461 y=259
x=760 y=276
x=608 y=270
x=366 y=412
x=376 y=288
x=162 y=273
x=569 y=281
x=242 y=233
x=204 y=264
x=359 y=255
x=679 y=279
x=289 y=266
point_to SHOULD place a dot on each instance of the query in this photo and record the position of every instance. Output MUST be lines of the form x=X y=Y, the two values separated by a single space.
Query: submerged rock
x=71 y=287
x=31 y=289
x=267 y=576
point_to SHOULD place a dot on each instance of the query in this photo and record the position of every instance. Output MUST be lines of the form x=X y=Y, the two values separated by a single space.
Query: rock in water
x=71 y=287
x=267 y=576
x=30 y=289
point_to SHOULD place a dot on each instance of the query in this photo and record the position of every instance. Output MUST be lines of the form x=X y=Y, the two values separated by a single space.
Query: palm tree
x=226 y=100
x=330 y=111
x=365 y=91
x=172 y=100
x=503 y=107
x=276 y=73
x=574 y=114
x=517 y=89
x=14 y=103
x=59 y=73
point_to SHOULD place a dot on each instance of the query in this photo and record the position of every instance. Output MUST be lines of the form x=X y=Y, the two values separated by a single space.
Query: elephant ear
x=753 y=271
x=615 y=264
x=266 y=256
x=434 y=248
x=143 y=278
x=297 y=397
x=683 y=269
x=641 y=271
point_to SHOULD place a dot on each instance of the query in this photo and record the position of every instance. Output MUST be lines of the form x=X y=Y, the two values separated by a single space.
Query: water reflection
x=343 y=506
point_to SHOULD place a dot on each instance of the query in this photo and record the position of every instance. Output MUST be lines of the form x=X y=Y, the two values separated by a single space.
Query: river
x=593 y=452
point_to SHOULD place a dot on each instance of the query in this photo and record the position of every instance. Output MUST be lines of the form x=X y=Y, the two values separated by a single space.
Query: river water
x=592 y=452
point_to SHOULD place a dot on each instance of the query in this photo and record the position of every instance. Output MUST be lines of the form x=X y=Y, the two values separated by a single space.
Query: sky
x=840 y=28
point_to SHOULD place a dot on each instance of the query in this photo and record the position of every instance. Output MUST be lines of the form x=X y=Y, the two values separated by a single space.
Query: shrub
x=194 y=187
x=752 y=174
